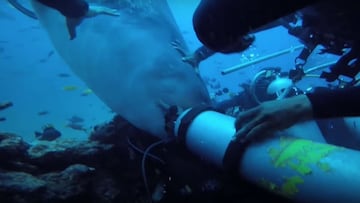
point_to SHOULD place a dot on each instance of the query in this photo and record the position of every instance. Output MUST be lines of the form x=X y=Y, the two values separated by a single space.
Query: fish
x=86 y=92
x=2 y=119
x=128 y=61
x=45 y=59
x=76 y=126
x=75 y=119
x=70 y=88
x=5 y=105
x=49 y=133
x=63 y=75
x=42 y=113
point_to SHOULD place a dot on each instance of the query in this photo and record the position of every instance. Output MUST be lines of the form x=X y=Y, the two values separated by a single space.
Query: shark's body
x=128 y=62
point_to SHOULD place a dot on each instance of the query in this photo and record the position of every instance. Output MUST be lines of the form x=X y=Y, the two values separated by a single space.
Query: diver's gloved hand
x=191 y=59
x=95 y=10
x=272 y=116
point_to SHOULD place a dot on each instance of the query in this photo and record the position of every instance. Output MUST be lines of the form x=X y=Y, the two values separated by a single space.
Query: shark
x=128 y=61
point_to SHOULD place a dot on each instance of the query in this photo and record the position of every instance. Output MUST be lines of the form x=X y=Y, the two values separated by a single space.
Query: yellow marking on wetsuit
x=299 y=155
x=288 y=188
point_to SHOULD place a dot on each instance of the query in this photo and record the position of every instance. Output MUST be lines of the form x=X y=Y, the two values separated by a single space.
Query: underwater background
x=101 y=157
x=44 y=90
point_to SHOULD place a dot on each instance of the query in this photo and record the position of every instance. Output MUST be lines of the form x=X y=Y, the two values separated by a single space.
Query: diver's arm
x=194 y=58
x=199 y=55
x=335 y=103
x=203 y=53
x=272 y=116
x=95 y=10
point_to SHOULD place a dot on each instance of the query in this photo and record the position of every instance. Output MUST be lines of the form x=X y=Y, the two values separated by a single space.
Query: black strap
x=188 y=119
x=233 y=155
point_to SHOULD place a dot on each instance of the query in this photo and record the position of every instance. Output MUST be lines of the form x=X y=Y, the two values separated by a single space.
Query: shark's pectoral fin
x=71 y=24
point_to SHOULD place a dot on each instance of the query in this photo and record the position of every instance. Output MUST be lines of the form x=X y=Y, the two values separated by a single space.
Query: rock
x=107 y=189
x=70 y=183
x=20 y=166
x=12 y=145
x=13 y=153
x=19 y=182
x=116 y=132
x=61 y=153
x=110 y=132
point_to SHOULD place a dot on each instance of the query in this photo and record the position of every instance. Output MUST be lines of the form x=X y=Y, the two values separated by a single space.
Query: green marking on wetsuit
x=287 y=188
x=300 y=155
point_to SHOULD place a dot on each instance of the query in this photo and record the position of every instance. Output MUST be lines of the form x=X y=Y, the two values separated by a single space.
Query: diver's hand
x=95 y=10
x=272 y=116
x=185 y=57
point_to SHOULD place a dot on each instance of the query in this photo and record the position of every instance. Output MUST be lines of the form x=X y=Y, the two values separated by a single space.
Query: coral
x=106 y=169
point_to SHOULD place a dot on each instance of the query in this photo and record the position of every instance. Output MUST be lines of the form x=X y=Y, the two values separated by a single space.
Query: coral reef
x=107 y=168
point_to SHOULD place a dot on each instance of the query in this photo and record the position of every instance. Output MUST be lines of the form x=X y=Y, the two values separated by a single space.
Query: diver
x=76 y=11
x=214 y=20
x=348 y=65
x=276 y=115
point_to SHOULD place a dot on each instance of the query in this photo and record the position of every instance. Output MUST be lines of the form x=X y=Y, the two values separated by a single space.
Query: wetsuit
x=203 y=53
x=335 y=103
x=68 y=8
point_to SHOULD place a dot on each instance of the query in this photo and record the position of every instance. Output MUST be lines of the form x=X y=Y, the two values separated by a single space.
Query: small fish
x=75 y=119
x=45 y=59
x=49 y=133
x=225 y=90
x=86 y=92
x=42 y=113
x=63 y=75
x=76 y=126
x=2 y=119
x=5 y=105
x=70 y=88
x=51 y=52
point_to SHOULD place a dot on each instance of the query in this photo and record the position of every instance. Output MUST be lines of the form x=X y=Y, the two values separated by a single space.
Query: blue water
x=30 y=68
